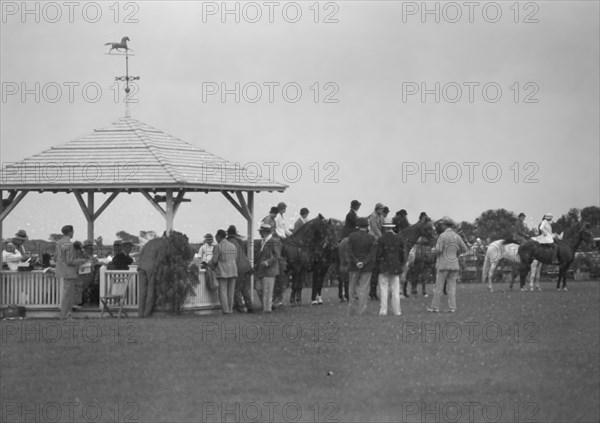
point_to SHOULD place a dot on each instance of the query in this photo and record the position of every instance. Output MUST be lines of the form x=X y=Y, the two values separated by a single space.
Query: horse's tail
x=108 y=44
x=486 y=268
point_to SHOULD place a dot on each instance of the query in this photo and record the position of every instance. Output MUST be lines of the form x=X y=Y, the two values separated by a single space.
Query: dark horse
x=303 y=248
x=425 y=231
x=530 y=250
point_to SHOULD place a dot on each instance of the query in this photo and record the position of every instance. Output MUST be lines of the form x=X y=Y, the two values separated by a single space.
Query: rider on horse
x=547 y=237
x=520 y=234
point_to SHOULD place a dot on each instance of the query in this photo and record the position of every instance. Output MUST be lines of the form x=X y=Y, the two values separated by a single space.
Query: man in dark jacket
x=390 y=258
x=520 y=234
x=351 y=222
x=361 y=261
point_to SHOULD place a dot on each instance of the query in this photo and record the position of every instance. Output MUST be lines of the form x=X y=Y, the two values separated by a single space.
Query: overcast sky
x=516 y=124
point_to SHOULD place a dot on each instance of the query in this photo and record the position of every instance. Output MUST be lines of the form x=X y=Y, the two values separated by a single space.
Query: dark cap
x=402 y=212
x=386 y=209
x=304 y=211
x=522 y=214
x=363 y=222
x=274 y=210
x=66 y=229
x=232 y=230
x=355 y=203
x=422 y=215
x=221 y=233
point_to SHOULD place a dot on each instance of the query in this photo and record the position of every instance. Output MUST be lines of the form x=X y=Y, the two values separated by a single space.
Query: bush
x=177 y=276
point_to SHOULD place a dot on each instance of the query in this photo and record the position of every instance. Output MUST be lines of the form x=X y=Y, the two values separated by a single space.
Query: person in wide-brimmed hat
x=19 y=243
x=448 y=248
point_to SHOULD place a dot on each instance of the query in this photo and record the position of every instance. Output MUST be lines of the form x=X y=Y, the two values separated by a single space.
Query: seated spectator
x=11 y=257
x=121 y=259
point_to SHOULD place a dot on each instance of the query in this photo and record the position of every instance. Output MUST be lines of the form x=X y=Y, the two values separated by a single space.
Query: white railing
x=38 y=290
x=33 y=289
x=203 y=298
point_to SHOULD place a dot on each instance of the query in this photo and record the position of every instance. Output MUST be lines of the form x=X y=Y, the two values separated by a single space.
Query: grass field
x=503 y=357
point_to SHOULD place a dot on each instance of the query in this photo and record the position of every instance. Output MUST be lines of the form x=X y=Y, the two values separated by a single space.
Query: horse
x=117 y=46
x=302 y=248
x=572 y=237
x=506 y=249
x=424 y=232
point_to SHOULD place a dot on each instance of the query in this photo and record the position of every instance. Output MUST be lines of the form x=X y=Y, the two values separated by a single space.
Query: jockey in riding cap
x=547 y=236
x=520 y=234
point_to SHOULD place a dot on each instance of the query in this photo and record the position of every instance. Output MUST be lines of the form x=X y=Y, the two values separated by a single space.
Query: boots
x=555 y=254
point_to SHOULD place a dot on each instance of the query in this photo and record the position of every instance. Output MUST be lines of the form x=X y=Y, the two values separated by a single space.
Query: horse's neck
x=572 y=237
x=303 y=238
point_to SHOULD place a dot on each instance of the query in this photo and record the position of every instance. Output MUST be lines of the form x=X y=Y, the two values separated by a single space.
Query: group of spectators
x=376 y=242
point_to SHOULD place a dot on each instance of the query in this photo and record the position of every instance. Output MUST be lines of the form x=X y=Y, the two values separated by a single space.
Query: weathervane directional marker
x=126 y=78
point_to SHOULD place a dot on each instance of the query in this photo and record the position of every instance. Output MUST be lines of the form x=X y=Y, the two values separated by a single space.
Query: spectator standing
x=267 y=263
x=223 y=262
x=67 y=266
x=390 y=258
x=448 y=248
x=361 y=261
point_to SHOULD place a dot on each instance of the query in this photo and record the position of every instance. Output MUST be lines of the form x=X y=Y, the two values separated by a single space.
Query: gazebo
x=132 y=157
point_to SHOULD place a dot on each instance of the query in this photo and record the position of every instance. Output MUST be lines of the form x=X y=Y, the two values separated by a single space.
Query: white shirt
x=11 y=259
x=206 y=252
x=280 y=228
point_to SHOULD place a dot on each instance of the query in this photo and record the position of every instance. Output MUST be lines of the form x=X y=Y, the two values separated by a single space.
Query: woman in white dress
x=547 y=236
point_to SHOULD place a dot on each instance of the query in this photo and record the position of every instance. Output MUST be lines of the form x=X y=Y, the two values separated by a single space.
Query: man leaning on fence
x=147 y=275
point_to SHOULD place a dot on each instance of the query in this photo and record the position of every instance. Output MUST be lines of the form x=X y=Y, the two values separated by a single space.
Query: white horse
x=499 y=250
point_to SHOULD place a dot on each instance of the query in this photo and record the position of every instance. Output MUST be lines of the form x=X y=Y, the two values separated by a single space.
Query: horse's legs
x=493 y=266
x=524 y=270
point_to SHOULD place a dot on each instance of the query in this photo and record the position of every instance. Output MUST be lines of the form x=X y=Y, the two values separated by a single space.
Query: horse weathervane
x=126 y=78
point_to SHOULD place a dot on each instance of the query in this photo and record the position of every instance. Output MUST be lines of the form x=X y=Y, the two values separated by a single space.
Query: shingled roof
x=130 y=155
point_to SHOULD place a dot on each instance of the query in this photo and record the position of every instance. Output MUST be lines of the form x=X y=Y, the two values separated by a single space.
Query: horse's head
x=428 y=230
x=124 y=40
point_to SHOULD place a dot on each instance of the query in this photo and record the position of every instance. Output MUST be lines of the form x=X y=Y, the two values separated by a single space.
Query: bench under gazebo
x=158 y=166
